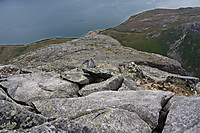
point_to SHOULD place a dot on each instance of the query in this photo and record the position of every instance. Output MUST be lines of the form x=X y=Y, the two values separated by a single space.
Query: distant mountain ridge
x=170 y=32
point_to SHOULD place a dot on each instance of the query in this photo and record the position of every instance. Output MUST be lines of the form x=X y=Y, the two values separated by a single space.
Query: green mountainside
x=170 y=32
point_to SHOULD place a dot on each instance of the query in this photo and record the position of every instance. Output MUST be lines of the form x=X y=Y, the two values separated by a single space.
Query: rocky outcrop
x=103 y=49
x=98 y=96
x=105 y=109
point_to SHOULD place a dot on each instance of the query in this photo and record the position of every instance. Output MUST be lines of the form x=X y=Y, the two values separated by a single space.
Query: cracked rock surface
x=49 y=90
x=146 y=105
x=183 y=115
x=41 y=85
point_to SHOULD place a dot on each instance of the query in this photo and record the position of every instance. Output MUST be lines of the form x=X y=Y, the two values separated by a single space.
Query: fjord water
x=25 y=21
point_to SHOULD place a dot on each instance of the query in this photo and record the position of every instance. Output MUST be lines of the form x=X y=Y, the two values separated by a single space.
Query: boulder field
x=95 y=85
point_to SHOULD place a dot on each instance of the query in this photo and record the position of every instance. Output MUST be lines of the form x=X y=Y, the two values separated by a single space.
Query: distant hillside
x=171 y=32
x=8 y=52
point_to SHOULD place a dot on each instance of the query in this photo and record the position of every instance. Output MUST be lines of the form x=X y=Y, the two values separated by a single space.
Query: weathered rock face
x=183 y=115
x=93 y=98
x=111 y=120
x=103 y=49
x=14 y=116
x=60 y=126
x=143 y=104
x=30 y=87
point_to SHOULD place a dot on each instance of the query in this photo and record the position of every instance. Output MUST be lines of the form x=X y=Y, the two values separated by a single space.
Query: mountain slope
x=104 y=49
x=170 y=32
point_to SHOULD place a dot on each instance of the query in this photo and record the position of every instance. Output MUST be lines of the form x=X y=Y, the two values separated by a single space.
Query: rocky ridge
x=93 y=84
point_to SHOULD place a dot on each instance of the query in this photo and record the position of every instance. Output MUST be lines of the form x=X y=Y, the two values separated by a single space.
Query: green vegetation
x=8 y=52
x=140 y=42
x=153 y=31
x=191 y=54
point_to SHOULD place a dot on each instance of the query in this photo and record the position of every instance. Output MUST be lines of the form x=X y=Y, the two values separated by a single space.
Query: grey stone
x=59 y=126
x=112 y=83
x=198 y=87
x=146 y=104
x=115 y=120
x=129 y=84
x=30 y=87
x=76 y=76
x=13 y=116
x=88 y=64
x=154 y=73
x=100 y=73
x=185 y=81
x=183 y=115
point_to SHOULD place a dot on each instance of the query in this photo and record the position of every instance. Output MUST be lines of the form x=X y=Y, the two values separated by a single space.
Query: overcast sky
x=24 y=21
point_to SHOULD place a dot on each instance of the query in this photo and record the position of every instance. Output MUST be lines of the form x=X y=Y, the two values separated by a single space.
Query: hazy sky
x=24 y=21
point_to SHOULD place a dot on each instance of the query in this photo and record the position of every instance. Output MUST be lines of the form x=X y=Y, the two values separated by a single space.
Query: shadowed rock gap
x=32 y=109
x=162 y=116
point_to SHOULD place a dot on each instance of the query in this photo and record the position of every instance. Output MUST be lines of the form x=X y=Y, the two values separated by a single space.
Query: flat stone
x=111 y=120
x=76 y=76
x=35 y=86
x=100 y=73
x=112 y=83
